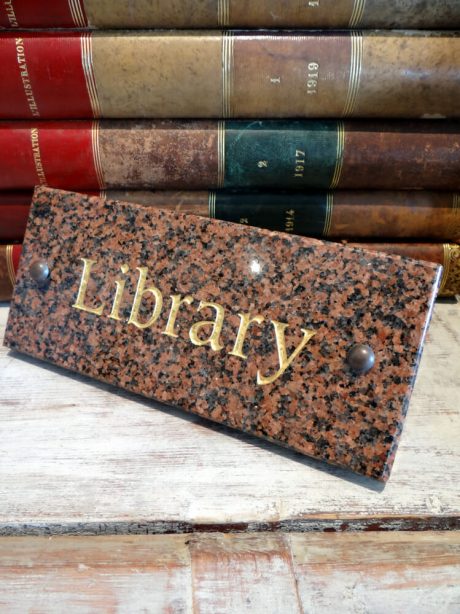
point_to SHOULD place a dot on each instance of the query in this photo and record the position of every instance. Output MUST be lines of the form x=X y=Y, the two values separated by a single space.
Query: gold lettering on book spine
x=78 y=14
x=87 y=63
x=227 y=73
x=356 y=63
x=357 y=13
x=37 y=156
x=9 y=9
x=25 y=78
x=9 y=264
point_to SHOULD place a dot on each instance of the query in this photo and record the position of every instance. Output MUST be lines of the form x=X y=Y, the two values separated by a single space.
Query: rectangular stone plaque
x=268 y=333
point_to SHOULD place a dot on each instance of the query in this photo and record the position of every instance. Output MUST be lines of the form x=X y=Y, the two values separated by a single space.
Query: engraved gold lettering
x=245 y=321
x=210 y=337
x=284 y=359
x=24 y=73
x=37 y=156
x=8 y=4
x=177 y=301
x=120 y=284
x=80 y=302
x=213 y=339
x=141 y=291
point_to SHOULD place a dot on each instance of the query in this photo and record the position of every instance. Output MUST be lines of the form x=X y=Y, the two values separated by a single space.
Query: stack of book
x=340 y=133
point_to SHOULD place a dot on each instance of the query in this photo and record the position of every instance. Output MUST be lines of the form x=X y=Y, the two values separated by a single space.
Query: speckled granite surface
x=283 y=383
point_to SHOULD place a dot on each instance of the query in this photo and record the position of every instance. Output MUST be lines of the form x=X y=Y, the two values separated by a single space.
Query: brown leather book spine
x=245 y=74
x=9 y=262
x=335 y=215
x=235 y=13
x=209 y=154
x=447 y=254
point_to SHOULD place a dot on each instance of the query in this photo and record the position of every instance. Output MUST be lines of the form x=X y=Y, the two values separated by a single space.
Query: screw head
x=40 y=272
x=361 y=358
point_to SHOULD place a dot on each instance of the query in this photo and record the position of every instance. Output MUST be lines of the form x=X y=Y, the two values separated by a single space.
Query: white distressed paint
x=74 y=451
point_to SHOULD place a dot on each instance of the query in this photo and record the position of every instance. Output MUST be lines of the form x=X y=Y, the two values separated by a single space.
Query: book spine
x=235 y=13
x=209 y=154
x=447 y=254
x=230 y=74
x=334 y=215
x=14 y=212
x=9 y=262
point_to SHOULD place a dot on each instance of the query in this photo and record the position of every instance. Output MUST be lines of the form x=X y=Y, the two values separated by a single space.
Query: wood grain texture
x=378 y=572
x=80 y=457
x=403 y=572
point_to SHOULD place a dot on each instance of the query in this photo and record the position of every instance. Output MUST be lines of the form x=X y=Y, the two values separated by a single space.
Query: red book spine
x=14 y=213
x=65 y=88
x=50 y=153
x=33 y=14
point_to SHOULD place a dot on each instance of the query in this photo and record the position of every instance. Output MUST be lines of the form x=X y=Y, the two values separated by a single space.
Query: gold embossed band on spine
x=446 y=266
x=357 y=14
x=227 y=73
x=87 y=62
x=328 y=219
x=96 y=153
x=220 y=153
x=9 y=264
x=450 y=281
x=356 y=64
x=77 y=13
x=212 y=204
x=223 y=13
x=339 y=155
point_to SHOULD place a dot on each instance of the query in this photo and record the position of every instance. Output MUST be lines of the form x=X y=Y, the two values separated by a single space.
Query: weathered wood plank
x=400 y=572
x=242 y=573
x=80 y=456
x=378 y=572
x=83 y=575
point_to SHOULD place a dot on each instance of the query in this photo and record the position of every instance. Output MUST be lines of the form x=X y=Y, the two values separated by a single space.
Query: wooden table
x=112 y=503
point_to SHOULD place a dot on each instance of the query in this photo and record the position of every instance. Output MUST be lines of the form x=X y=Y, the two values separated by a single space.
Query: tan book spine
x=231 y=74
x=234 y=13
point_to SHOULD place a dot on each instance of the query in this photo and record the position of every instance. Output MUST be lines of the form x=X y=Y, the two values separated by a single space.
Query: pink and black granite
x=318 y=406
